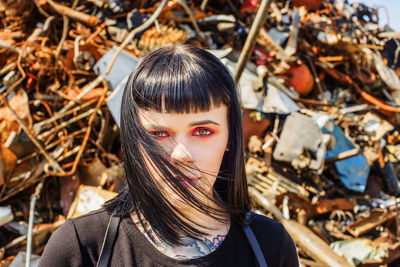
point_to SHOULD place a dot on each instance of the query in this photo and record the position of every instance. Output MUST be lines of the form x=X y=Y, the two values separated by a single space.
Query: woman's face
x=197 y=139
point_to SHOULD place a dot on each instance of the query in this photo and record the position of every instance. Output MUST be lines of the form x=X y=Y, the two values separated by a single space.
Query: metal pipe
x=8 y=68
x=251 y=39
x=93 y=84
x=316 y=79
x=35 y=196
x=63 y=36
x=38 y=31
x=203 y=5
x=9 y=47
x=189 y=12
x=64 y=138
x=76 y=50
x=65 y=123
x=75 y=15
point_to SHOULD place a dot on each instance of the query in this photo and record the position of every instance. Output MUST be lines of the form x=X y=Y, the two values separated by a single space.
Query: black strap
x=108 y=241
x=254 y=244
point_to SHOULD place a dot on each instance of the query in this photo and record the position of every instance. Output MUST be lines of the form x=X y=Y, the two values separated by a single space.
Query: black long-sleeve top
x=78 y=243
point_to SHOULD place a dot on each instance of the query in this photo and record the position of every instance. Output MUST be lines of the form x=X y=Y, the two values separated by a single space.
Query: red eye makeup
x=202 y=132
x=159 y=135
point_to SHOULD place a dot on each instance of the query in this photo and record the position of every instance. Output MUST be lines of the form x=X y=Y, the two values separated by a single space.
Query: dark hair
x=178 y=79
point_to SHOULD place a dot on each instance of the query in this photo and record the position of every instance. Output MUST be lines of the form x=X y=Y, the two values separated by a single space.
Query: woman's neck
x=211 y=225
x=216 y=231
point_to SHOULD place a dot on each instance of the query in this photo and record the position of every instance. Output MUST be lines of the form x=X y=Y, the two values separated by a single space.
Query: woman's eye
x=203 y=132
x=159 y=134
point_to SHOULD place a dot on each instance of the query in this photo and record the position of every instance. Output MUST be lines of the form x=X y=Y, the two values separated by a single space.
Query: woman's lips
x=189 y=181
x=192 y=178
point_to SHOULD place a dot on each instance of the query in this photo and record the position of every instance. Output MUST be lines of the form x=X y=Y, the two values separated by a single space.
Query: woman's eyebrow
x=160 y=127
x=204 y=122
x=157 y=127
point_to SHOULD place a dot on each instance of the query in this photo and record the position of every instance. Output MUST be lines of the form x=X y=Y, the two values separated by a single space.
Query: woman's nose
x=181 y=154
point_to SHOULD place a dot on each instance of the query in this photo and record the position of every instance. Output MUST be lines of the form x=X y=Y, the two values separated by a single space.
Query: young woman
x=186 y=201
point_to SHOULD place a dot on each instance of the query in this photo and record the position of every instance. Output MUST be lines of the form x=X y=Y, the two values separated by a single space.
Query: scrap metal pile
x=321 y=102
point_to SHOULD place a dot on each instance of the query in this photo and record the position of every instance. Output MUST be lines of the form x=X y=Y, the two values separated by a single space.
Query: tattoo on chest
x=190 y=249
x=193 y=248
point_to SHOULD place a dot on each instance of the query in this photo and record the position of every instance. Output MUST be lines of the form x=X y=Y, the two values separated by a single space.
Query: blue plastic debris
x=353 y=171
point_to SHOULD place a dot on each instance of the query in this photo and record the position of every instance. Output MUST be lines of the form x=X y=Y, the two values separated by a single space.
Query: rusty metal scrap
x=155 y=38
x=303 y=236
x=365 y=225
x=320 y=87
x=352 y=92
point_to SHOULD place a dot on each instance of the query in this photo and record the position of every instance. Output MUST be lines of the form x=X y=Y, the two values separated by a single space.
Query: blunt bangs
x=178 y=82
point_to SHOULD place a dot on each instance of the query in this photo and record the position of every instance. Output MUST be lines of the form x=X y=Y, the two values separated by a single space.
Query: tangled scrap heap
x=321 y=97
x=322 y=130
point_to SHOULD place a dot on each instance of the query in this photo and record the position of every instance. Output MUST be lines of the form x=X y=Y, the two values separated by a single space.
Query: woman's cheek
x=212 y=153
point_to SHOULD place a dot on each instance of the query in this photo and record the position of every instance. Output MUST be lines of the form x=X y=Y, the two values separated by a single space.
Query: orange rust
x=96 y=33
x=300 y=78
x=74 y=14
x=344 y=78
x=309 y=4
x=329 y=205
x=369 y=98
x=331 y=58
x=381 y=159
x=364 y=75
x=95 y=93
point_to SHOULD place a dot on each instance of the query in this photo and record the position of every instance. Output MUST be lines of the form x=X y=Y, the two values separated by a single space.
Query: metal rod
x=44 y=229
x=59 y=115
x=189 y=12
x=397 y=218
x=64 y=138
x=8 y=68
x=63 y=36
x=251 y=39
x=317 y=80
x=343 y=155
x=203 y=5
x=34 y=197
x=65 y=123
x=40 y=30
x=69 y=153
x=9 y=47
x=93 y=84
x=74 y=14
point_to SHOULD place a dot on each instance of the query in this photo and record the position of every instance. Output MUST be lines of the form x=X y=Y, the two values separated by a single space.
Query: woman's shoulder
x=90 y=224
x=268 y=230
x=89 y=228
x=262 y=224
x=77 y=237
x=274 y=240
x=94 y=221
